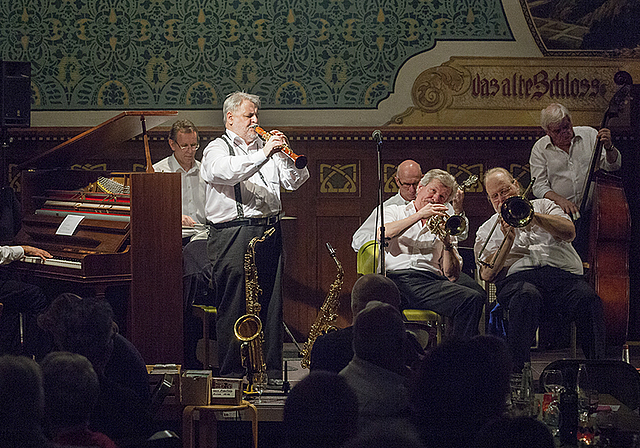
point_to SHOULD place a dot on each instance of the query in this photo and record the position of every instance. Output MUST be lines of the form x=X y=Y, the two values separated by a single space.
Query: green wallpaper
x=155 y=54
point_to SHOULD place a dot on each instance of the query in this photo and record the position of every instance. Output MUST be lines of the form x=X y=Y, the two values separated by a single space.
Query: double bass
x=609 y=231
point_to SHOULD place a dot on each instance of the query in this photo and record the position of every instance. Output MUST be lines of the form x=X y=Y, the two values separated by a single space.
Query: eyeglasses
x=505 y=192
x=194 y=146
x=407 y=184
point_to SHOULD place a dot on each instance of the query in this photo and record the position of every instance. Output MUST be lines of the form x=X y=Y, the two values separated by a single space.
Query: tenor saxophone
x=328 y=312
x=248 y=328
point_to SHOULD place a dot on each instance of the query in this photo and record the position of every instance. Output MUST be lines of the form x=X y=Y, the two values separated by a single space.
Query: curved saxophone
x=248 y=328
x=327 y=314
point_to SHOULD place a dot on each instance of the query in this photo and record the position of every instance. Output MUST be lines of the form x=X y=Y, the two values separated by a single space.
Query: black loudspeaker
x=16 y=94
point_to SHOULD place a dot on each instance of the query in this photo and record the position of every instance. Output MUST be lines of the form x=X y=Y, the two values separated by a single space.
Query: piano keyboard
x=61 y=262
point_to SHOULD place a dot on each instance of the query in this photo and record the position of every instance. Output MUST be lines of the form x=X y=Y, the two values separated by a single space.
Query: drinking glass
x=588 y=398
x=553 y=382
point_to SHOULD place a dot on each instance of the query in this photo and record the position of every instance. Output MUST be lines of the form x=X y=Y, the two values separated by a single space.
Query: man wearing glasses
x=184 y=142
x=560 y=162
x=407 y=178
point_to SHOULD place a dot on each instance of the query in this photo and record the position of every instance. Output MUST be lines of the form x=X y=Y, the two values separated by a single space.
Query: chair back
x=613 y=377
x=368 y=256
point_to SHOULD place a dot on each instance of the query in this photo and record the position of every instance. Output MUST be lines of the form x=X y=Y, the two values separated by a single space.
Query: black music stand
x=377 y=135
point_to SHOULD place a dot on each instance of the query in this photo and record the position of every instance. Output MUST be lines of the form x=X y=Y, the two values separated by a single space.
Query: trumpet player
x=243 y=176
x=537 y=272
x=426 y=267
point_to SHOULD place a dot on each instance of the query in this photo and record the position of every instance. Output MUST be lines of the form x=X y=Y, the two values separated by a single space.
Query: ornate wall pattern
x=188 y=54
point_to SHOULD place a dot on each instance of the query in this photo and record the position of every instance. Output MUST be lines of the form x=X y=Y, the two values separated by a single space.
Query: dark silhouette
x=460 y=387
x=320 y=412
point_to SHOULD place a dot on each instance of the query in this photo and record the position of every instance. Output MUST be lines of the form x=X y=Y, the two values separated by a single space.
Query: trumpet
x=516 y=211
x=453 y=225
x=300 y=160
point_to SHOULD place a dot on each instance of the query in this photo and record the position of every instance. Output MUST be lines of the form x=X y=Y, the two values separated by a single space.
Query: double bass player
x=560 y=163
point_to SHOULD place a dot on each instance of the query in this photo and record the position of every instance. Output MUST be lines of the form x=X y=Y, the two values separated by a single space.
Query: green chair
x=367 y=263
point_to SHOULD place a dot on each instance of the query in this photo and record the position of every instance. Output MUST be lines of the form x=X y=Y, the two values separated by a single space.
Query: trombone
x=516 y=211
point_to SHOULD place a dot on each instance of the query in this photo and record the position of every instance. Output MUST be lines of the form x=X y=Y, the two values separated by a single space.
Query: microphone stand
x=378 y=136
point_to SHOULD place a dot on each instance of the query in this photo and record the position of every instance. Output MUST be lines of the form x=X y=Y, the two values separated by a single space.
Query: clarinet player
x=243 y=178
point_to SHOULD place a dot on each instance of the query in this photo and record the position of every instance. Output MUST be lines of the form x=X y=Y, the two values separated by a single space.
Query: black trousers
x=553 y=294
x=425 y=290
x=19 y=297
x=226 y=251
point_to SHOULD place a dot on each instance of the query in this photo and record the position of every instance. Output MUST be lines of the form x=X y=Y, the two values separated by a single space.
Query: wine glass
x=588 y=398
x=553 y=382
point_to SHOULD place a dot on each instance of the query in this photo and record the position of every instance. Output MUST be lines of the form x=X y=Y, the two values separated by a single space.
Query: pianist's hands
x=188 y=221
x=29 y=250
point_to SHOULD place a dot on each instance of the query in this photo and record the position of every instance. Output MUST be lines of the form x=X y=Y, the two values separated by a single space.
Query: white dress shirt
x=417 y=247
x=367 y=230
x=192 y=187
x=566 y=173
x=260 y=179
x=10 y=253
x=533 y=246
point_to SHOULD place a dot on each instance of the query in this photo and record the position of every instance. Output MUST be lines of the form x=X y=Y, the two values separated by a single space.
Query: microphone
x=377 y=135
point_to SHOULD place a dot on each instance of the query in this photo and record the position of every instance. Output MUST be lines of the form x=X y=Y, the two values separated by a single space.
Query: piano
x=129 y=236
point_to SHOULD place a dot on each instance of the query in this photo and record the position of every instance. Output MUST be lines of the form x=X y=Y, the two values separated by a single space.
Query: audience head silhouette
x=373 y=287
x=321 y=411
x=379 y=336
x=21 y=403
x=460 y=386
x=83 y=326
x=71 y=389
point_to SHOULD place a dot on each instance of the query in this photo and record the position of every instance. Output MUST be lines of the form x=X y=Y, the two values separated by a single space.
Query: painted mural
x=586 y=25
x=189 y=54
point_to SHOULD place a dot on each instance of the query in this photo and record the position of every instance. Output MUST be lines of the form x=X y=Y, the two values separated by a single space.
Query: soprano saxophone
x=327 y=314
x=248 y=328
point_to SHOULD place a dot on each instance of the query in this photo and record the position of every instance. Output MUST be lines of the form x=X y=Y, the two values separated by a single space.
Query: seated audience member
x=537 y=270
x=377 y=373
x=125 y=365
x=321 y=411
x=86 y=327
x=461 y=386
x=71 y=390
x=334 y=350
x=517 y=432
x=21 y=403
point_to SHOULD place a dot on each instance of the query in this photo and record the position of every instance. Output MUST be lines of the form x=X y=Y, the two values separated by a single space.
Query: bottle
x=528 y=392
x=581 y=387
x=568 y=422
x=625 y=353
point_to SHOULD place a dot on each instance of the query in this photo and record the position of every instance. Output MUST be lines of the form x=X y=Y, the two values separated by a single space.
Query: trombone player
x=536 y=270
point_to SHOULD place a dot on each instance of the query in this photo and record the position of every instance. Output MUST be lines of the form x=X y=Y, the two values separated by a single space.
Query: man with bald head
x=537 y=272
x=334 y=350
x=407 y=179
